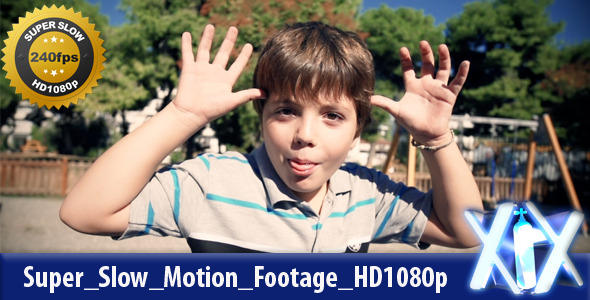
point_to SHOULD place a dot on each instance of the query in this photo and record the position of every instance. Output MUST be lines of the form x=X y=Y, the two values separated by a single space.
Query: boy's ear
x=355 y=142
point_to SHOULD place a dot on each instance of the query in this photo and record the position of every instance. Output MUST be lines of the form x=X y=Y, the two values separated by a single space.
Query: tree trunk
x=124 y=127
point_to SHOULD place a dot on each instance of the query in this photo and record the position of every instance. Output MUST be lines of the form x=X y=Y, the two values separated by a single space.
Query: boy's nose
x=305 y=134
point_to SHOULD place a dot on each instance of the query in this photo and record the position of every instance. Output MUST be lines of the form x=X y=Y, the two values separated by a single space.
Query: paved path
x=32 y=225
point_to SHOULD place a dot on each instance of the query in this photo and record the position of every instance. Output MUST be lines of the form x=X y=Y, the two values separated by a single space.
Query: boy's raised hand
x=426 y=107
x=205 y=89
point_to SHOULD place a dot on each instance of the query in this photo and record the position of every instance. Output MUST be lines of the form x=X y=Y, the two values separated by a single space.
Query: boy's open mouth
x=302 y=167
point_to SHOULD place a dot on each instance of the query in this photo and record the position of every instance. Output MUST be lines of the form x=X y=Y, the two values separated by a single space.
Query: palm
x=427 y=105
x=205 y=89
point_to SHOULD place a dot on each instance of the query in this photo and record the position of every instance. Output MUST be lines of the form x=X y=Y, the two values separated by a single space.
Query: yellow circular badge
x=53 y=57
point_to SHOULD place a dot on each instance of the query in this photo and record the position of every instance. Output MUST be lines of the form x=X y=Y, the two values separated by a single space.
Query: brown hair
x=304 y=60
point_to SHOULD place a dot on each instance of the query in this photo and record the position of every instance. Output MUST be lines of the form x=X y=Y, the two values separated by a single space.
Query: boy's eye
x=334 y=116
x=285 y=111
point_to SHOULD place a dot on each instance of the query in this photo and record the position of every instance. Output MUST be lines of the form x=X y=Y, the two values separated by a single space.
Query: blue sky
x=573 y=12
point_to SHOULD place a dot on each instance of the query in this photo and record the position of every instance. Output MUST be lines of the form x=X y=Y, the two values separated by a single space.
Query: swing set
x=541 y=129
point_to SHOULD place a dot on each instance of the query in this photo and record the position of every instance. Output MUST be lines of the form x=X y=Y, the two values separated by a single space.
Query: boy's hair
x=305 y=60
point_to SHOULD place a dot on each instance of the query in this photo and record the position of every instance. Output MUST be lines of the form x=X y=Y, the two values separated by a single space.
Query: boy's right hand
x=205 y=89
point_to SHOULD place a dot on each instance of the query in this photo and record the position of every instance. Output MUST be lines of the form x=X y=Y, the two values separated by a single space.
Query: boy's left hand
x=426 y=107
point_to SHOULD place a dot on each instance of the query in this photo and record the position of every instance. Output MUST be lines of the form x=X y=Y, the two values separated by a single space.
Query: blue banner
x=256 y=276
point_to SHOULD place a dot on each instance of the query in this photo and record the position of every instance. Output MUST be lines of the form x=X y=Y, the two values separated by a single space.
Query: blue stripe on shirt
x=150 y=219
x=352 y=208
x=228 y=157
x=389 y=212
x=205 y=161
x=317 y=226
x=256 y=206
x=408 y=232
x=176 y=195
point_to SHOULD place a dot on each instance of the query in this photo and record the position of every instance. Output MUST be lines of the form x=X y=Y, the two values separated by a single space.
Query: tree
x=568 y=91
x=506 y=42
x=10 y=11
x=143 y=54
x=388 y=30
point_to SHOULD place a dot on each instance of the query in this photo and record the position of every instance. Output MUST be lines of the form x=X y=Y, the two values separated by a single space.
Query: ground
x=32 y=225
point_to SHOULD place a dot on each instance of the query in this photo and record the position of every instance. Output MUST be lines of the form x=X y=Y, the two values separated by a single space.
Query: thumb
x=389 y=105
x=247 y=95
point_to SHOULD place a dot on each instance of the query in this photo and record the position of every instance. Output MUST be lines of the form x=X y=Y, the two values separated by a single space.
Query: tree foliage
x=507 y=42
x=517 y=70
x=388 y=30
x=143 y=54
x=567 y=93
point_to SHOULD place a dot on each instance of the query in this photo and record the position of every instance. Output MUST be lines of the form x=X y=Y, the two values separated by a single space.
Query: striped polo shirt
x=237 y=203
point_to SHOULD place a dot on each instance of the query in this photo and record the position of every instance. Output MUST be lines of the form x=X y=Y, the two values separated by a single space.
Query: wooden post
x=371 y=156
x=411 y=175
x=64 y=176
x=565 y=173
x=392 y=151
x=530 y=166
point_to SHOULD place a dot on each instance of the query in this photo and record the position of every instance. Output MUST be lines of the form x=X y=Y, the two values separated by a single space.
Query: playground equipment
x=539 y=129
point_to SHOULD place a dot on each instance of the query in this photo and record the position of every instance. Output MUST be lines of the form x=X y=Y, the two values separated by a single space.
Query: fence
x=29 y=174
x=502 y=186
x=25 y=174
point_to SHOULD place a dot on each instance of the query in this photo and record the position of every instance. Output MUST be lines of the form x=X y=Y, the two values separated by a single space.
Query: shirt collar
x=276 y=189
x=340 y=182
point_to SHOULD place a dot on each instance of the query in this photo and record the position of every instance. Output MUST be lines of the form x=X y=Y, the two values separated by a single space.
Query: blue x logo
x=492 y=242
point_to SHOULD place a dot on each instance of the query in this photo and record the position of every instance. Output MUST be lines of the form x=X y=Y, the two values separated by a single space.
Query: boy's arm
x=425 y=111
x=99 y=202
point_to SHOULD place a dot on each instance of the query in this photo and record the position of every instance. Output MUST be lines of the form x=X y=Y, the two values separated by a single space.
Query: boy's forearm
x=454 y=191
x=116 y=177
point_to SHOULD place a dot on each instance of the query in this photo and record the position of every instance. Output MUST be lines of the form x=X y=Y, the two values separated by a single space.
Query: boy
x=313 y=90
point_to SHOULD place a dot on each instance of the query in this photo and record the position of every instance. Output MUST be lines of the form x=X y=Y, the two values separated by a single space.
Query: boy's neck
x=315 y=198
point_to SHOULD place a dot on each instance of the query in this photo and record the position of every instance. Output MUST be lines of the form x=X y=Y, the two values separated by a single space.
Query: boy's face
x=307 y=142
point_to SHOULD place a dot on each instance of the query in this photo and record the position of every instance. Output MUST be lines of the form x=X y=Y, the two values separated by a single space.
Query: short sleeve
x=402 y=212
x=161 y=207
